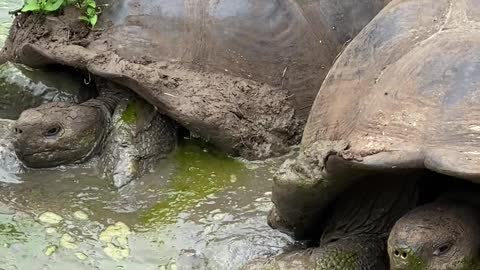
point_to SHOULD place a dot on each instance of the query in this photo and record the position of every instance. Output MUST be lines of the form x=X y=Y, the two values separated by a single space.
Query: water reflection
x=22 y=87
x=5 y=18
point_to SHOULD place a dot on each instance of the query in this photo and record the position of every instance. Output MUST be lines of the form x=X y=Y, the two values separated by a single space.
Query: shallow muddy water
x=198 y=210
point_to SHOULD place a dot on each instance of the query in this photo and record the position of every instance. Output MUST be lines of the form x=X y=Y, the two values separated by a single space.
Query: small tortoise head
x=58 y=133
x=435 y=236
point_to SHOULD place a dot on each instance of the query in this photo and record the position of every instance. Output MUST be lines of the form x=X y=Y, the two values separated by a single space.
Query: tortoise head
x=435 y=236
x=58 y=133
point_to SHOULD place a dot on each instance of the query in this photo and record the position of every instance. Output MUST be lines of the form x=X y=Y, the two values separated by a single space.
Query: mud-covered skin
x=437 y=236
x=139 y=136
x=241 y=74
x=304 y=178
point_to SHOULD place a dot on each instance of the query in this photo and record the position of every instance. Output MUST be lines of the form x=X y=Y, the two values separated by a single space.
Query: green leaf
x=91 y=12
x=31 y=5
x=93 y=20
x=46 y=6
x=53 y=5
x=84 y=18
x=91 y=3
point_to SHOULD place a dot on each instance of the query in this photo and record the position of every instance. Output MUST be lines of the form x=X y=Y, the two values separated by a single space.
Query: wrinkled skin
x=436 y=236
x=58 y=133
x=139 y=136
x=354 y=236
x=334 y=256
x=126 y=132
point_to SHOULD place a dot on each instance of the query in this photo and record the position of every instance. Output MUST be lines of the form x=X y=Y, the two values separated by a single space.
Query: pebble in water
x=51 y=230
x=67 y=241
x=50 y=218
x=172 y=265
x=50 y=250
x=115 y=238
x=80 y=215
x=81 y=256
x=5 y=209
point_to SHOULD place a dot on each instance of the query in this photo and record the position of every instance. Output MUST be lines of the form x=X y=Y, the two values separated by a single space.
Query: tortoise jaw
x=52 y=158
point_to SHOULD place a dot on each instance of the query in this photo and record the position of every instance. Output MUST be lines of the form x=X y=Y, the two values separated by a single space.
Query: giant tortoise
x=403 y=100
x=241 y=74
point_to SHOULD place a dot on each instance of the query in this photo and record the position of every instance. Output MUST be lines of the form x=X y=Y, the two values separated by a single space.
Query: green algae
x=130 y=114
x=415 y=263
x=200 y=172
x=9 y=234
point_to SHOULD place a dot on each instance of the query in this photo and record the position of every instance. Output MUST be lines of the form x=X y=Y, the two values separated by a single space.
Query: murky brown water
x=197 y=210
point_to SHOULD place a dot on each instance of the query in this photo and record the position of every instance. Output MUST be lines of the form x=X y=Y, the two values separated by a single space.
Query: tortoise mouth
x=53 y=158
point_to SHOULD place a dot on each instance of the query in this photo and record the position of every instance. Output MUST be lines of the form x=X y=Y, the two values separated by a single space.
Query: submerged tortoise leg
x=355 y=234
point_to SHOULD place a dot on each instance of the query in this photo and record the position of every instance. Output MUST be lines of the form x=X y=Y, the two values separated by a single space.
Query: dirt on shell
x=242 y=116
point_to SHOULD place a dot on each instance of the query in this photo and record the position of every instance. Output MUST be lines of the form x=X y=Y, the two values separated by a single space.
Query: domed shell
x=283 y=43
x=406 y=92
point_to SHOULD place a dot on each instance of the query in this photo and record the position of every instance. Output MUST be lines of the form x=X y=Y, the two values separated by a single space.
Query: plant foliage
x=89 y=8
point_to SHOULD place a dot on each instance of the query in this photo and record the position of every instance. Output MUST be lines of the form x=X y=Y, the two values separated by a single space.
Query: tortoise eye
x=442 y=250
x=52 y=131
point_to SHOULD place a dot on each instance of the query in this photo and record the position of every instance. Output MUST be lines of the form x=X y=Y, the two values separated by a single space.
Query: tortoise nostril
x=400 y=253
x=18 y=131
